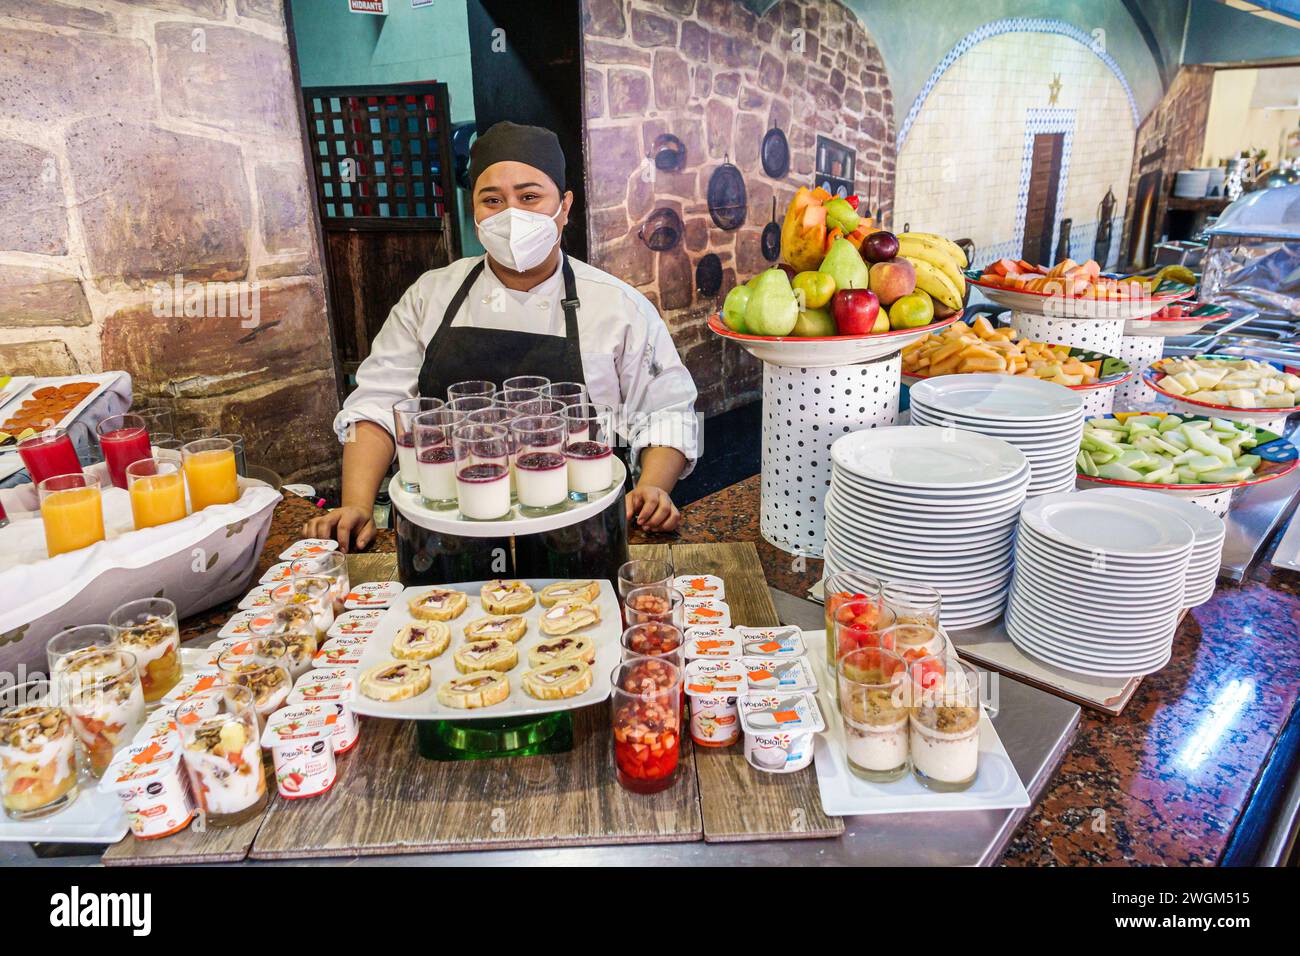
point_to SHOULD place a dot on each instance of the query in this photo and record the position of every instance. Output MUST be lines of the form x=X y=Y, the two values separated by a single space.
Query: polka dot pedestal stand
x=1140 y=351
x=1097 y=335
x=804 y=411
x=1217 y=504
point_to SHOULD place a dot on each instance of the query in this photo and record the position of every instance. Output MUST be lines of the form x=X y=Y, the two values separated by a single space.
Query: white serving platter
x=425 y=706
x=16 y=385
x=101 y=379
x=830 y=351
x=997 y=785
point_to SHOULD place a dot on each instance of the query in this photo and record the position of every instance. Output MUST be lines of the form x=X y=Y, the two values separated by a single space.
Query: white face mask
x=519 y=239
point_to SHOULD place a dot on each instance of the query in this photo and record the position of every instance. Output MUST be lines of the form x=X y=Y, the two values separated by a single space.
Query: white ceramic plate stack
x=1099 y=582
x=1207 y=550
x=935 y=506
x=1044 y=420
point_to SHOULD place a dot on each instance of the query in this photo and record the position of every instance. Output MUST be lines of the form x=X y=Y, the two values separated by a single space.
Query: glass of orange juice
x=210 y=472
x=72 y=511
x=157 y=491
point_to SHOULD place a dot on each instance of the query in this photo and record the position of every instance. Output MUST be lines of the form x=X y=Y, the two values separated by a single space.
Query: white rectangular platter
x=101 y=379
x=425 y=706
x=16 y=385
x=997 y=785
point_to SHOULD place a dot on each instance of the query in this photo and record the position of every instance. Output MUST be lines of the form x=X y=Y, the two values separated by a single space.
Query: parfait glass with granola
x=38 y=756
x=222 y=755
x=293 y=624
x=262 y=666
x=147 y=628
x=102 y=693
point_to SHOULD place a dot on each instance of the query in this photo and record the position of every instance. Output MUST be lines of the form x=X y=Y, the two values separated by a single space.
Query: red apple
x=855 y=311
x=880 y=246
x=787 y=269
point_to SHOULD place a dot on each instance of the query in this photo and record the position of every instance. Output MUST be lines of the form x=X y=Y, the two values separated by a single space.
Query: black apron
x=463 y=353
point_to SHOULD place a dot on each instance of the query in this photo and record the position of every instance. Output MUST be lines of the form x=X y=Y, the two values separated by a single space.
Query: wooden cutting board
x=215 y=845
x=740 y=803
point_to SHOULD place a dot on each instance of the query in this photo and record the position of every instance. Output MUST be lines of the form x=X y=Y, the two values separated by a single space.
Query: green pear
x=814 y=323
x=844 y=264
x=840 y=212
x=734 y=307
x=773 y=308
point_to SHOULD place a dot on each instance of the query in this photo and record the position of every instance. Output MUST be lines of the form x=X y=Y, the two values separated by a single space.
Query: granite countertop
x=1163 y=783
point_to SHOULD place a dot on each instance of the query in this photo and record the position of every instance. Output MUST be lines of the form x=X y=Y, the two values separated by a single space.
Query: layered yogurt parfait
x=873 y=703
x=222 y=755
x=945 y=729
x=38 y=755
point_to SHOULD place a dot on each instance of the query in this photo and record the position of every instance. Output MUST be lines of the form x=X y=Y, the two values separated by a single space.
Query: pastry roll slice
x=569 y=616
x=494 y=655
x=558 y=680
x=506 y=597
x=510 y=627
x=479 y=689
x=553 y=594
x=440 y=604
x=569 y=647
x=399 y=680
x=422 y=641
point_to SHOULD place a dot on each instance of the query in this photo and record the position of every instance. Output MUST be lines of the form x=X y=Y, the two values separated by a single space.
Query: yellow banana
x=931 y=280
x=914 y=247
x=954 y=250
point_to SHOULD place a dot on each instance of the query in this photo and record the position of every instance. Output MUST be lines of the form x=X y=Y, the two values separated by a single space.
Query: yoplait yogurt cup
x=700 y=586
x=307 y=547
x=360 y=622
x=341 y=651
x=277 y=573
x=707 y=611
x=709 y=641
x=299 y=740
x=155 y=795
x=258 y=597
x=778 y=675
x=190 y=686
x=334 y=687
x=372 y=594
x=780 y=642
x=239 y=624
x=780 y=730
x=712 y=686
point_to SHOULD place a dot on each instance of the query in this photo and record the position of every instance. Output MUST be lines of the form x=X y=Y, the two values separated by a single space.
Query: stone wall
x=718 y=77
x=149 y=140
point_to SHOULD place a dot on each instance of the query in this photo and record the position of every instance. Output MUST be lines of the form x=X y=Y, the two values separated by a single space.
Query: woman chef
x=525 y=308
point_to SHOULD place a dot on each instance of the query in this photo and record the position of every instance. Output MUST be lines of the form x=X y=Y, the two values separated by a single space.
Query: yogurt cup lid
x=141 y=761
x=343 y=651
x=190 y=686
x=795 y=712
x=239 y=623
x=299 y=722
x=699 y=585
x=709 y=640
x=707 y=677
x=784 y=641
x=360 y=621
x=771 y=674
x=373 y=594
x=208 y=660
x=324 y=683
x=259 y=596
x=307 y=547
x=277 y=573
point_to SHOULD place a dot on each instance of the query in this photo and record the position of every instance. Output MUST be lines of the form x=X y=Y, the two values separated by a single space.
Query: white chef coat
x=629 y=360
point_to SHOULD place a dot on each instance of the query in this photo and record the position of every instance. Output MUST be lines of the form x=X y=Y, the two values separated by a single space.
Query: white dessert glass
x=913 y=603
x=312 y=591
x=436 y=458
x=63 y=648
x=570 y=393
x=512 y=397
x=542 y=406
x=222 y=754
x=38 y=752
x=474 y=388
x=945 y=738
x=328 y=564
x=148 y=629
x=589 y=449
x=482 y=471
x=293 y=624
x=914 y=641
x=106 y=705
x=873 y=704
x=404 y=414
x=541 y=471
x=535 y=382
x=645 y=572
x=262 y=666
x=499 y=415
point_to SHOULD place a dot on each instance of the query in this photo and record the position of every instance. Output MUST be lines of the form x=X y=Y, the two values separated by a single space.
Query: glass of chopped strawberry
x=646 y=710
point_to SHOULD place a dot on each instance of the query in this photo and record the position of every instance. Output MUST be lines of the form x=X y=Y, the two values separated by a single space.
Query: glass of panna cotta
x=482 y=471
x=435 y=458
x=404 y=413
x=498 y=415
x=541 y=406
x=589 y=449
x=467 y=404
x=570 y=393
x=913 y=603
x=512 y=397
x=535 y=382
x=873 y=703
x=541 y=470
x=474 y=388
x=945 y=724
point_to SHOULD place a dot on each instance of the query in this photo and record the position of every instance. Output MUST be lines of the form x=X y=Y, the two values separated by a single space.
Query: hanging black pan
x=727 y=197
x=772 y=237
x=775 y=153
x=708 y=275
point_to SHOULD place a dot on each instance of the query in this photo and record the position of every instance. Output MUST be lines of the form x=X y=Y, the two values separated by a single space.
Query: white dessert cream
x=541 y=479
x=590 y=467
x=483 y=491
x=945 y=745
x=408 y=471
x=437 y=471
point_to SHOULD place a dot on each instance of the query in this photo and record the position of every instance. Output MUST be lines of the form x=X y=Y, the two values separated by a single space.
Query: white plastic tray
x=425 y=706
x=997 y=786
x=1287 y=554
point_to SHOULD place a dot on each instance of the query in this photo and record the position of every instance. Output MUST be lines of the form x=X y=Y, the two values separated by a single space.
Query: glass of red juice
x=124 y=440
x=646 y=713
x=48 y=454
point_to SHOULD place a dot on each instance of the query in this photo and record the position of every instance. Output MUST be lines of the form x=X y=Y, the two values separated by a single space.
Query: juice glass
x=201 y=433
x=157 y=489
x=646 y=713
x=122 y=439
x=913 y=603
x=474 y=388
x=210 y=472
x=435 y=457
x=589 y=449
x=541 y=473
x=237 y=444
x=482 y=471
x=72 y=511
x=535 y=382
x=48 y=454
x=106 y=709
x=873 y=704
x=87 y=641
x=158 y=419
x=147 y=628
x=404 y=415
x=219 y=745
x=38 y=752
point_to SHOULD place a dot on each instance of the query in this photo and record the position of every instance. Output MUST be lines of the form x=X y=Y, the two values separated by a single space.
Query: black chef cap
x=511 y=142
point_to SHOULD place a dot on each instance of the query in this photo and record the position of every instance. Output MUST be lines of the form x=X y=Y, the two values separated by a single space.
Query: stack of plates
x=1044 y=420
x=935 y=506
x=1207 y=549
x=1099 y=581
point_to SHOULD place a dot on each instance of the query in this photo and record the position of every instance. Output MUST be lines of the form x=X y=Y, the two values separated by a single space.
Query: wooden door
x=1040 y=207
x=382 y=165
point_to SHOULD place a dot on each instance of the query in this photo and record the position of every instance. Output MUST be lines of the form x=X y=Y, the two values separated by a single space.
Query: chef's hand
x=653 y=508
x=353 y=528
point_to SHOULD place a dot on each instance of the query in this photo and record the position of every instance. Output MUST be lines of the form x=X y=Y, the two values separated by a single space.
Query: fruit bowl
x=827 y=351
x=1280 y=458
x=1155 y=374
x=1056 y=306
x=1114 y=371
x=1178 y=318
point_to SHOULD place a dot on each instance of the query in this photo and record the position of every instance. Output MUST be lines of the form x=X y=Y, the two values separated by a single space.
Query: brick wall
x=718 y=77
x=145 y=140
